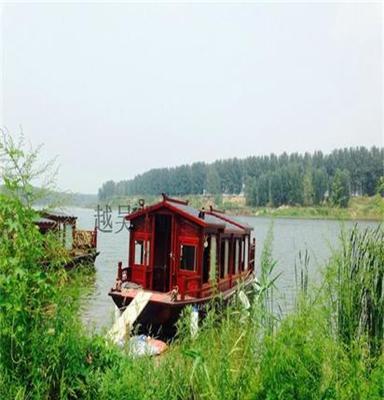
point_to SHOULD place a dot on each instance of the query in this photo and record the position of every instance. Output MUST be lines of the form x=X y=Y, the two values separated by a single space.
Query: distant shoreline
x=359 y=208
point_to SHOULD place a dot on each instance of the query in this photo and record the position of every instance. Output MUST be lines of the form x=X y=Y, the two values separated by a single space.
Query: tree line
x=292 y=179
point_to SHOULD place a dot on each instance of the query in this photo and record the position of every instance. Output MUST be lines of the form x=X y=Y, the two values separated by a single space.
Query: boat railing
x=225 y=283
x=84 y=240
x=222 y=284
x=124 y=274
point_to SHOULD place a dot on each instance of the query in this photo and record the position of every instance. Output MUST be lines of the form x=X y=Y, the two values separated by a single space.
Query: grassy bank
x=329 y=347
x=359 y=208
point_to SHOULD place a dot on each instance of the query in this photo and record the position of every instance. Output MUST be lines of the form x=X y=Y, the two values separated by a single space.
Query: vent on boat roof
x=171 y=199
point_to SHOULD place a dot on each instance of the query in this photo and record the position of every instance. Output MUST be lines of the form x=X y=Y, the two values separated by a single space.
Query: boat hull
x=160 y=317
x=86 y=259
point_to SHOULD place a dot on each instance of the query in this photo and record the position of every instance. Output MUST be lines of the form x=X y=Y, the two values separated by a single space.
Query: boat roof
x=44 y=221
x=58 y=216
x=205 y=218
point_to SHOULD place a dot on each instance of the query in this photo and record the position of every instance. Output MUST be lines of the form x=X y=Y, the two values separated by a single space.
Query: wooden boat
x=81 y=244
x=182 y=256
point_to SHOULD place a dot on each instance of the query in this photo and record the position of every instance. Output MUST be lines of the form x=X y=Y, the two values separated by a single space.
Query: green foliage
x=22 y=176
x=107 y=187
x=198 y=177
x=358 y=287
x=308 y=190
x=359 y=208
x=263 y=189
x=43 y=350
x=213 y=181
x=293 y=360
x=320 y=185
x=267 y=281
x=294 y=183
x=275 y=194
x=380 y=186
x=340 y=191
x=278 y=180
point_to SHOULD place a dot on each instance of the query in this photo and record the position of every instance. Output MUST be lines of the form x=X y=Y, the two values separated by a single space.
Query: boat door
x=187 y=266
x=162 y=252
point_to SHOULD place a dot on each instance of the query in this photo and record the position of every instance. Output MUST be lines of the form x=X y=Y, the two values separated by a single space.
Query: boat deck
x=157 y=297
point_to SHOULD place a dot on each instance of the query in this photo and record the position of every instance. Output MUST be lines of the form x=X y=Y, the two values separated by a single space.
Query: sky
x=116 y=89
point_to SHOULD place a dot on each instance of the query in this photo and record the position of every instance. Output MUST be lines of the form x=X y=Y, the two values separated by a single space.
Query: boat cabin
x=174 y=247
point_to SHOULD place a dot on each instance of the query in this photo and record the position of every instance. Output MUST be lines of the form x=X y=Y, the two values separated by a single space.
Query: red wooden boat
x=183 y=256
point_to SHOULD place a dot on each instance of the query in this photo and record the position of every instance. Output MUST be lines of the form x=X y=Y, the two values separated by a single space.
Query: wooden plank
x=123 y=325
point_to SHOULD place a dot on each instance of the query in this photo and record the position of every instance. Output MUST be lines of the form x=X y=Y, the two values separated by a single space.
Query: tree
x=107 y=191
x=308 y=192
x=340 y=191
x=298 y=185
x=295 y=184
x=275 y=189
x=380 y=187
x=21 y=172
x=198 y=177
x=320 y=185
x=213 y=181
x=263 y=190
x=182 y=183
x=251 y=191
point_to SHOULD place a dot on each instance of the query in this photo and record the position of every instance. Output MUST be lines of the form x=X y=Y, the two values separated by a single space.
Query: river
x=290 y=236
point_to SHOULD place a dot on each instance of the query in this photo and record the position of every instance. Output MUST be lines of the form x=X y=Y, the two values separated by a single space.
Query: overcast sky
x=117 y=89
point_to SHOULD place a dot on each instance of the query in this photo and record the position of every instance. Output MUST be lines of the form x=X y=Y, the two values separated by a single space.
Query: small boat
x=182 y=256
x=81 y=244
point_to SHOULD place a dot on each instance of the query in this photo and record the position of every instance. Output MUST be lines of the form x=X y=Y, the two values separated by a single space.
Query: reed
x=357 y=287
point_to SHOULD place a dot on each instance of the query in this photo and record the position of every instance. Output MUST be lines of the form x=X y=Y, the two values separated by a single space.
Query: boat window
x=212 y=259
x=224 y=262
x=207 y=249
x=188 y=257
x=139 y=252
x=222 y=251
x=147 y=252
x=237 y=256
x=226 y=257
x=246 y=253
x=241 y=244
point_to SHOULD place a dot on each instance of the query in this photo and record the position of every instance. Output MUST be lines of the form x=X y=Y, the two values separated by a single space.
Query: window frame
x=142 y=257
x=181 y=249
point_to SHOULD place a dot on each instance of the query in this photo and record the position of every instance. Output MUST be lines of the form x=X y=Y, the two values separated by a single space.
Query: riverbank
x=359 y=208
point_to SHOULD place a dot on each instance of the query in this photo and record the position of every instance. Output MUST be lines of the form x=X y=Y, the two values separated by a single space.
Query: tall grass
x=44 y=352
x=356 y=284
x=267 y=279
